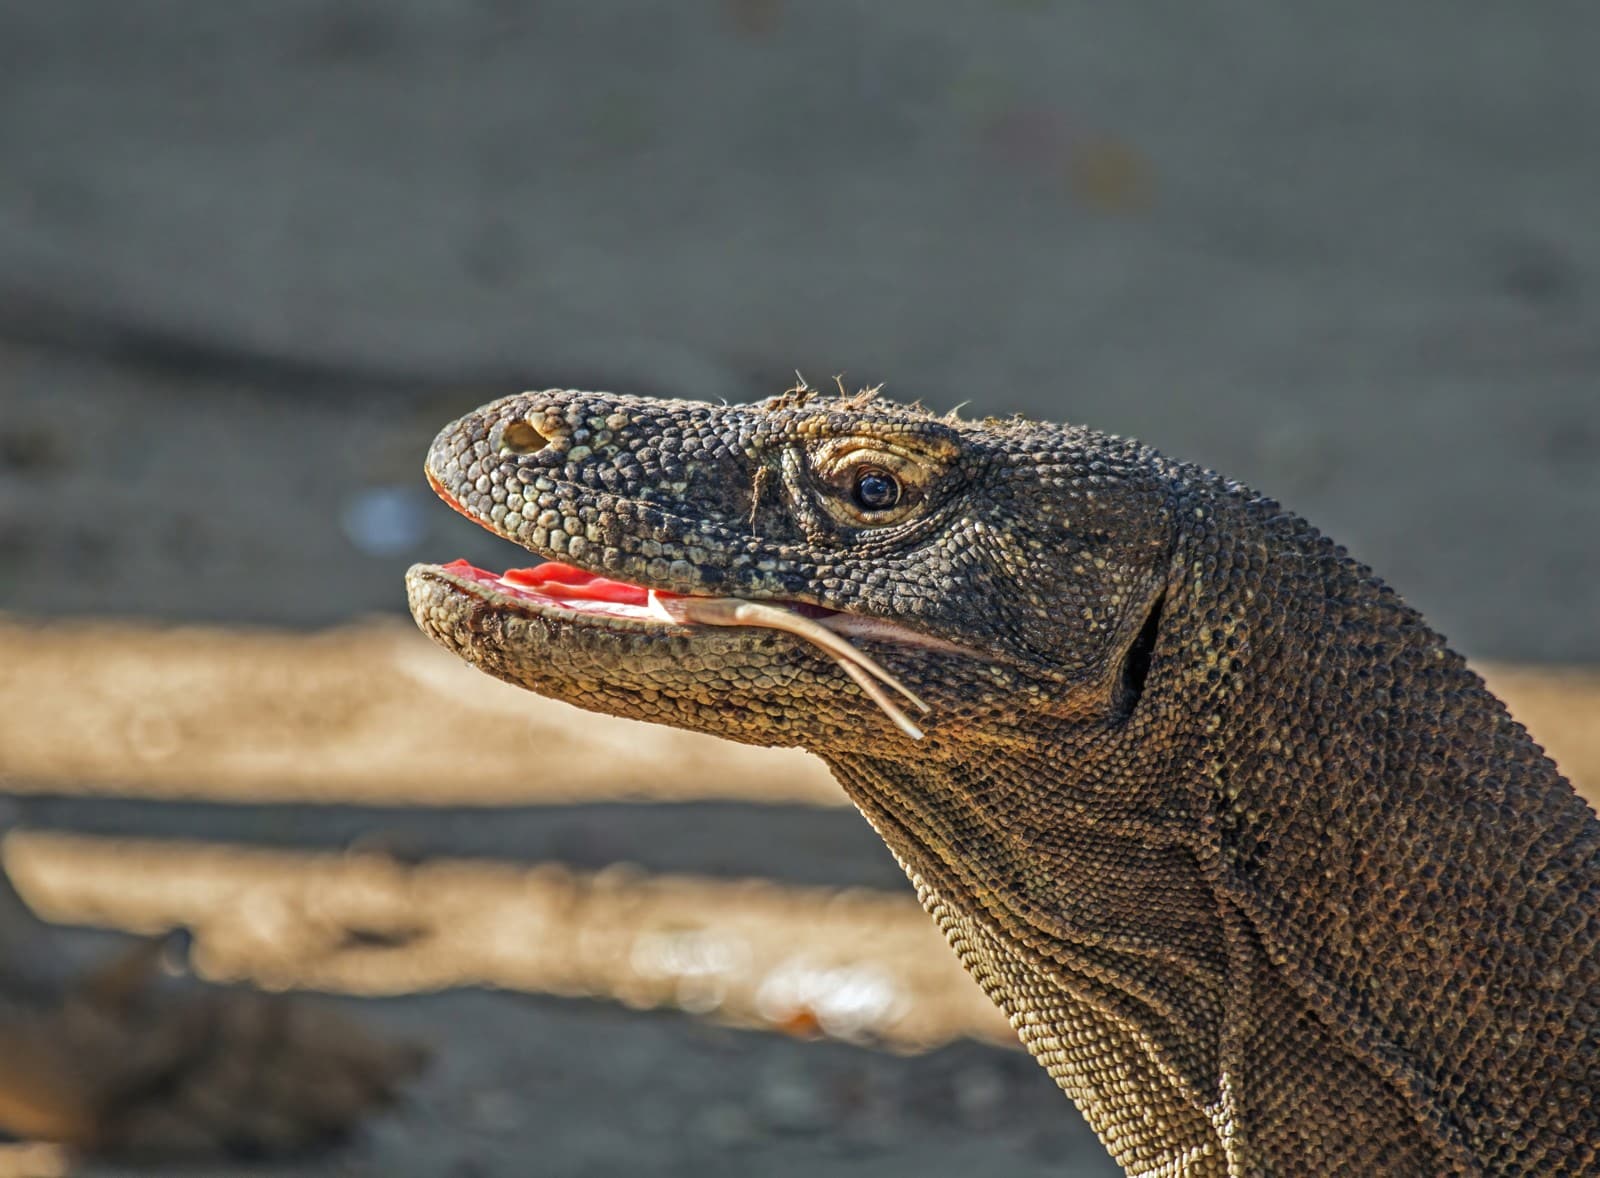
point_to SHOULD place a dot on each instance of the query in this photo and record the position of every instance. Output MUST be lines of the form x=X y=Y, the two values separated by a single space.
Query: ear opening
x=1136 y=662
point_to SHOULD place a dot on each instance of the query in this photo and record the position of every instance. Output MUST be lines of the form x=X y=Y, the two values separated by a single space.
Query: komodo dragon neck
x=1259 y=870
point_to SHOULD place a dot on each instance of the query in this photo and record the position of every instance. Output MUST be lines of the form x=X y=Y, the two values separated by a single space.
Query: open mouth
x=567 y=587
x=556 y=587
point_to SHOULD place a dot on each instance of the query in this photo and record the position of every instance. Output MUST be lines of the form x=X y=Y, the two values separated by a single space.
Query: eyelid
x=834 y=464
x=845 y=463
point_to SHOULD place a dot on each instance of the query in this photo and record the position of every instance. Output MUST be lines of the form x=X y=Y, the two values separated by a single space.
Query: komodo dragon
x=1260 y=871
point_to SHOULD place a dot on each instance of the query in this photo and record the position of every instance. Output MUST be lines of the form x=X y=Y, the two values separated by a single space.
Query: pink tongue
x=564 y=582
x=555 y=579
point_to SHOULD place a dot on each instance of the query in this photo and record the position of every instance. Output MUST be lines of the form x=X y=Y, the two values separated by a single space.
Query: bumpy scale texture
x=1257 y=867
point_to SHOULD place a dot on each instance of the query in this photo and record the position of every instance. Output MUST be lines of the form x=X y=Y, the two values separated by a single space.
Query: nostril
x=519 y=437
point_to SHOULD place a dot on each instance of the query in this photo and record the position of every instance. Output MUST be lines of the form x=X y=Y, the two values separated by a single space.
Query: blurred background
x=253 y=255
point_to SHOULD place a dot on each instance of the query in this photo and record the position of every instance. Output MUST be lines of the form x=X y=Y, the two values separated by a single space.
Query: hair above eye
x=876 y=489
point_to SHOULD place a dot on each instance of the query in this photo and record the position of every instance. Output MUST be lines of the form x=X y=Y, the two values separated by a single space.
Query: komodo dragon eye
x=867 y=482
x=876 y=490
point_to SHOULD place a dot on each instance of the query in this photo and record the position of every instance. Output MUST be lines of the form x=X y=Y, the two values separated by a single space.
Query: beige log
x=370 y=714
x=853 y=964
x=376 y=714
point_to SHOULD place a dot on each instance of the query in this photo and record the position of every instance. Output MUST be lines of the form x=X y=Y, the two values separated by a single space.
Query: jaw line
x=496 y=591
x=498 y=594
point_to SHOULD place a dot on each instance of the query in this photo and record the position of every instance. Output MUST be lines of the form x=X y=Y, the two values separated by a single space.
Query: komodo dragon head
x=1258 y=869
x=984 y=572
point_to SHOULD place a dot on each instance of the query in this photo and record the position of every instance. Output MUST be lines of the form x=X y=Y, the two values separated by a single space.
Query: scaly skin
x=1257 y=867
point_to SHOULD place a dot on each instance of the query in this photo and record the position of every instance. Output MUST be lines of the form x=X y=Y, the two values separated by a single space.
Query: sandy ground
x=560 y=1086
x=252 y=256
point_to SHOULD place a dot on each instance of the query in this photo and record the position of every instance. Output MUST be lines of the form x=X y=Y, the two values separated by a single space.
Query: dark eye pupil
x=876 y=490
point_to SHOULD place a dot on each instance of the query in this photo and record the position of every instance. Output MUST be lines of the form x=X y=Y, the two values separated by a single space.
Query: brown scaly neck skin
x=1260 y=871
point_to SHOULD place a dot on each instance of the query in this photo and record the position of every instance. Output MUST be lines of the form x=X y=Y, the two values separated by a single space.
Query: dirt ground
x=250 y=260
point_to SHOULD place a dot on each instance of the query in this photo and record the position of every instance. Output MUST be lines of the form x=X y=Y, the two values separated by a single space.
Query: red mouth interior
x=563 y=582
x=556 y=581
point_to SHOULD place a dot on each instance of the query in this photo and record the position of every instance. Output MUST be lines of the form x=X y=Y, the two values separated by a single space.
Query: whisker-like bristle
x=860 y=666
x=878 y=696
